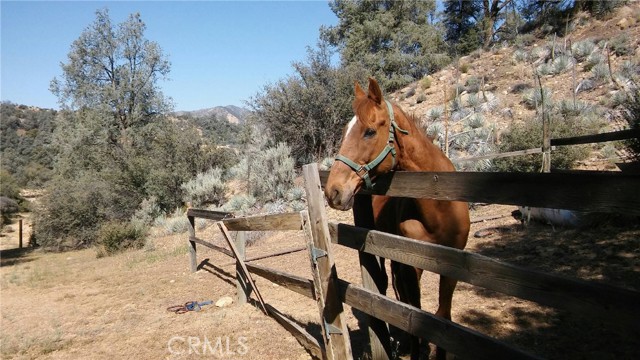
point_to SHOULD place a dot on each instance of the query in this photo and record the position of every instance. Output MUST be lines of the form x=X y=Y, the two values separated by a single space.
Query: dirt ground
x=74 y=305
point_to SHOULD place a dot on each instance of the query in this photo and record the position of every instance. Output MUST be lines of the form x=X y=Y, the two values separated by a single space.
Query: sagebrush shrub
x=269 y=173
x=205 y=188
x=113 y=237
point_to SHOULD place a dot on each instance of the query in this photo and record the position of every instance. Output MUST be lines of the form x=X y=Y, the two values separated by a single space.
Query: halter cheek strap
x=363 y=170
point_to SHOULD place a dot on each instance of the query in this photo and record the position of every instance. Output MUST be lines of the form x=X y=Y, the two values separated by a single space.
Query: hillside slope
x=495 y=83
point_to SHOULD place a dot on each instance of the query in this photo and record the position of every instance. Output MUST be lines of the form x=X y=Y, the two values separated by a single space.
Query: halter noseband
x=363 y=170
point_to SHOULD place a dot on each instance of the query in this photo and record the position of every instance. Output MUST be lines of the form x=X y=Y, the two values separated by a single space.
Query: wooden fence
x=588 y=191
x=554 y=143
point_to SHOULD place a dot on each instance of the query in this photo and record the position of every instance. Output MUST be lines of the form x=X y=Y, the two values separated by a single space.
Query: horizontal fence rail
x=271 y=222
x=464 y=342
x=598 y=138
x=294 y=283
x=576 y=140
x=607 y=303
x=590 y=192
x=209 y=214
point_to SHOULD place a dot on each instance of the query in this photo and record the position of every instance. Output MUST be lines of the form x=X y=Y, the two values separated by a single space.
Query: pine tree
x=396 y=41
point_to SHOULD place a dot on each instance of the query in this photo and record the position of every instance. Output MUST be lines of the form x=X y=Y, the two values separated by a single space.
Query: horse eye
x=369 y=133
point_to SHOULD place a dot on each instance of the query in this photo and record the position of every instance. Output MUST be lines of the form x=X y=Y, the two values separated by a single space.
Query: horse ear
x=358 y=90
x=375 y=93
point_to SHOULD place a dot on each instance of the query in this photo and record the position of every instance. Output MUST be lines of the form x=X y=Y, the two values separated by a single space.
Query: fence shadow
x=607 y=254
x=15 y=256
x=217 y=271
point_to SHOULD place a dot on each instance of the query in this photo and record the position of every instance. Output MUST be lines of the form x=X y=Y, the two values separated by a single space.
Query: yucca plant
x=582 y=49
x=561 y=64
x=533 y=98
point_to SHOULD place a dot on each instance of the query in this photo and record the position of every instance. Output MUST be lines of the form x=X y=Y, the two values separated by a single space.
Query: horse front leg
x=406 y=283
x=445 y=295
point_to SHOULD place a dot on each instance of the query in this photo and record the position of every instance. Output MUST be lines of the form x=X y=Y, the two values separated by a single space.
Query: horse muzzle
x=340 y=197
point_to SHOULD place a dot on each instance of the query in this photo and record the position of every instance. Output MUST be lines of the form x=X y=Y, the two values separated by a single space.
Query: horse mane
x=415 y=123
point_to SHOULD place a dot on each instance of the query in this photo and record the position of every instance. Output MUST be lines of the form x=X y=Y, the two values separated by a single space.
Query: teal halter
x=363 y=170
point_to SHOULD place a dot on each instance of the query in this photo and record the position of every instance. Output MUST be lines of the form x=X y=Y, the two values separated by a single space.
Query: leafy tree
x=114 y=148
x=115 y=70
x=460 y=18
x=395 y=40
x=308 y=109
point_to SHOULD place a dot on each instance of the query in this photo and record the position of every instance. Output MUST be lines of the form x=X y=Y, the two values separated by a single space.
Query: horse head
x=368 y=147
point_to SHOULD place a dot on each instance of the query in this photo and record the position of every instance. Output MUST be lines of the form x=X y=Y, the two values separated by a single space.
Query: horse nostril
x=335 y=196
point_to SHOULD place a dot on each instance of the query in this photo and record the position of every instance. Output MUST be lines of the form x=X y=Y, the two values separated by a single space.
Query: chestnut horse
x=381 y=138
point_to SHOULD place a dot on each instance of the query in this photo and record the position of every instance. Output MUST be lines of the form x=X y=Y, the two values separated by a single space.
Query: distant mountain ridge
x=233 y=114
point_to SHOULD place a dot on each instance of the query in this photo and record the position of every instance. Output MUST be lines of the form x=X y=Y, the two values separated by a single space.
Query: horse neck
x=416 y=152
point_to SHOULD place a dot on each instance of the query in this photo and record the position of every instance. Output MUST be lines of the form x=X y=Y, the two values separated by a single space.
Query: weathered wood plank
x=243 y=268
x=591 y=191
x=500 y=155
x=208 y=214
x=242 y=287
x=277 y=253
x=212 y=246
x=309 y=342
x=193 y=262
x=334 y=325
x=598 y=138
x=464 y=342
x=271 y=222
x=294 y=283
x=610 y=304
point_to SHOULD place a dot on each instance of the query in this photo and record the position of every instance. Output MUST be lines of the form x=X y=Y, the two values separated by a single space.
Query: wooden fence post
x=20 y=233
x=334 y=327
x=192 y=248
x=374 y=278
x=241 y=283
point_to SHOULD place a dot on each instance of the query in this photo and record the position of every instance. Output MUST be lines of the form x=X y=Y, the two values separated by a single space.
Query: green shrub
x=528 y=135
x=147 y=212
x=464 y=68
x=72 y=211
x=205 y=188
x=241 y=203
x=425 y=82
x=620 y=44
x=175 y=223
x=269 y=173
x=113 y=237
